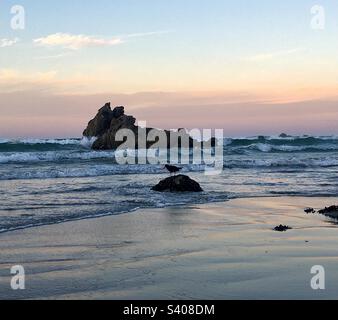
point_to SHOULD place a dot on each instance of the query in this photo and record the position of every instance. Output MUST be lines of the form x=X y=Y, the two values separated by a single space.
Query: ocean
x=47 y=181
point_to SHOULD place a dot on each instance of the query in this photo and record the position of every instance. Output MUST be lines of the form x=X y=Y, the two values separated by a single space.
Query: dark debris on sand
x=331 y=211
x=282 y=228
x=310 y=210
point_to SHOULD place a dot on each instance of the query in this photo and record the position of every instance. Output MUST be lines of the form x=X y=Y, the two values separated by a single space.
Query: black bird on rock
x=172 y=169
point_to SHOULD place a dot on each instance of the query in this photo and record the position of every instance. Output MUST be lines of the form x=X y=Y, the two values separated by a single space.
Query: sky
x=247 y=66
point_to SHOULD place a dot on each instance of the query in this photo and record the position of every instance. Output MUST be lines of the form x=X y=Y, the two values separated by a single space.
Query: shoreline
x=182 y=206
x=223 y=250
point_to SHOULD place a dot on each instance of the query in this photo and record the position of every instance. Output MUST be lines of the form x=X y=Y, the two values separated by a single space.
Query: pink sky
x=250 y=69
x=31 y=114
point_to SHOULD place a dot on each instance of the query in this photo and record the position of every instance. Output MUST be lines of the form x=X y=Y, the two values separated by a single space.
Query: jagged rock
x=108 y=122
x=330 y=212
x=101 y=123
x=118 y=112
x=180 y=183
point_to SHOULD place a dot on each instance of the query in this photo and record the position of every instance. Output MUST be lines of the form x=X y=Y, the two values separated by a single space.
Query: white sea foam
x=266 y=147
x=88 y=142
x=54 y=156
x=263 y=147
x=42 y=141
x=288 y=162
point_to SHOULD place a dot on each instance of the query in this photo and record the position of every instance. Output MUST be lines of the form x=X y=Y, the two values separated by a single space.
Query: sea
x=49 y=181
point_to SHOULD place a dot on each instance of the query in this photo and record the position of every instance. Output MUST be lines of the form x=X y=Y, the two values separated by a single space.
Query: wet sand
x=214 y=251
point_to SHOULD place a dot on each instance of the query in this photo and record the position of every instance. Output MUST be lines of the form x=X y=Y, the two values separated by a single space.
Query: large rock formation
x=180 y=183
x=107 y=123
x=331 y=212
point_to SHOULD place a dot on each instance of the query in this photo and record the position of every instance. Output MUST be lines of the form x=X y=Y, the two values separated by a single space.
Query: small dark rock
x=282 y=228
x=284 y=135
x=180 y=183
x=310 y=210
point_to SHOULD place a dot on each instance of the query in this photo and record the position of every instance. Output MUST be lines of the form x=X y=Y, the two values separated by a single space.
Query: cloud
x=15 y=76
x=271 y=55
x=8 y=42
x=13 y=81
x=75 y=42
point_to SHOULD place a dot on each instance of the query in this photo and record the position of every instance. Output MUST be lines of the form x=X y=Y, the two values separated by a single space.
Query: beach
x=225 y=250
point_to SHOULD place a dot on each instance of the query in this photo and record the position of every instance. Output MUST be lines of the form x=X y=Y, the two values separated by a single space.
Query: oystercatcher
x=172 y=169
